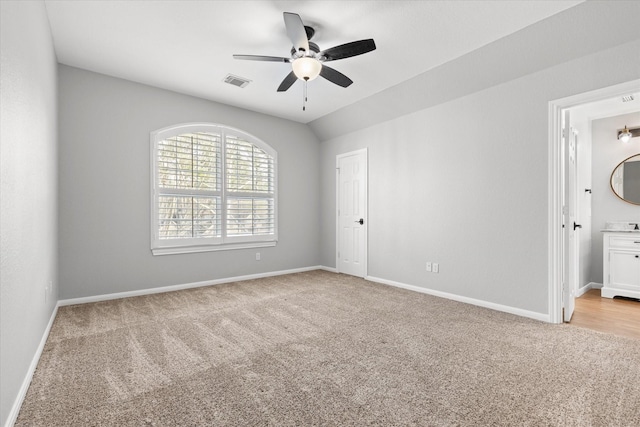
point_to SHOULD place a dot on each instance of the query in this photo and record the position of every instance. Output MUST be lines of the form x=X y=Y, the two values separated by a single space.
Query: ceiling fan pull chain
x=304 y=96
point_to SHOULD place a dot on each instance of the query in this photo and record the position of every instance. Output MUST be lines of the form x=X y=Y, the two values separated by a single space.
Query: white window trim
x=182 y=246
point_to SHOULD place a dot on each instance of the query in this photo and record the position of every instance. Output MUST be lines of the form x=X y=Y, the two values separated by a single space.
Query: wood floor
x=615 y=316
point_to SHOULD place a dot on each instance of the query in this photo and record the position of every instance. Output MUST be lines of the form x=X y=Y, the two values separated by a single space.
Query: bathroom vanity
x=621 y=263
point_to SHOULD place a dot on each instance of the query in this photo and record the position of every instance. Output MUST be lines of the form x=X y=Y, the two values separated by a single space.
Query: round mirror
x=625 y=180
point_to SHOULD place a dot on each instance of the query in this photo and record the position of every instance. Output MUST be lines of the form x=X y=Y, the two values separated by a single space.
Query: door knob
x=360 y=221
x=576 y=226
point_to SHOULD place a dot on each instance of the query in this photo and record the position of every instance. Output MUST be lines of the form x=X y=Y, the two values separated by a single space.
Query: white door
x=571 y=228
x=351 y=191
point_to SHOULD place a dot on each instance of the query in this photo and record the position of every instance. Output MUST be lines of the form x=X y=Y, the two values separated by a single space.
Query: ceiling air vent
x=236 y=81
x=627 y=98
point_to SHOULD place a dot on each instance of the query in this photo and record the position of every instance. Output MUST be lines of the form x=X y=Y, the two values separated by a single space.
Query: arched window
x=213 y=188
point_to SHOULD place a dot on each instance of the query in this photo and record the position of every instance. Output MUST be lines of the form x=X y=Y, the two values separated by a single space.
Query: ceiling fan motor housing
x=310 y=31
x=312 y=47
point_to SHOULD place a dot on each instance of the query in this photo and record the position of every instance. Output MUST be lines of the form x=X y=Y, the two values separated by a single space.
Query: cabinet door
x=625 y=270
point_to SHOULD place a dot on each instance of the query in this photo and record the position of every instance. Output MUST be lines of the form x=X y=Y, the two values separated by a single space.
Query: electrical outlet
x=257 y=256
x=429 y=267
x=436 y=267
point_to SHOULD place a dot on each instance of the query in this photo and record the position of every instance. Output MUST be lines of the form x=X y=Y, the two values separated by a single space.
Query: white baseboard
x=486 y=304
x=329 y=269
x=591 y=285
x=118 y=295
x=22 y=393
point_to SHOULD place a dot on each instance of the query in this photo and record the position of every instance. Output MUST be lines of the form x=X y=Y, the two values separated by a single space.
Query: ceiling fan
x=307 y=60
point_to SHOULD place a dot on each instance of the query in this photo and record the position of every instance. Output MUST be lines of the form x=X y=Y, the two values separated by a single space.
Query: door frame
x=365 y=256
x=556 y=189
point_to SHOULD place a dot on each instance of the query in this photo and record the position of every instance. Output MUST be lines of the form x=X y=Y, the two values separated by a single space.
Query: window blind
x=249 y=168
x=250 y=216
x=192 y=163
x=250 y=177
x=214 y=188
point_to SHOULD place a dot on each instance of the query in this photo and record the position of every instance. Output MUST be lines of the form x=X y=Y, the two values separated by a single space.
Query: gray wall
x=28 y=190
x=607 y=153
x=487 y=227
x=104 y=188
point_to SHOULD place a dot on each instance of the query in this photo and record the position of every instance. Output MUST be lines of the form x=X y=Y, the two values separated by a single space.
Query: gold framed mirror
x=625 y=180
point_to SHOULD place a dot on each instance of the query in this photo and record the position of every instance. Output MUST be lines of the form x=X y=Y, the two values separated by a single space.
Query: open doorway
x=575 y=214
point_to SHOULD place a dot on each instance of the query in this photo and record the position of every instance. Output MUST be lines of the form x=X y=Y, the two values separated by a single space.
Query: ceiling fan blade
x=335 y=76
x=262 y=58
x=348 y=50
x=296 y=31
x=287 y=82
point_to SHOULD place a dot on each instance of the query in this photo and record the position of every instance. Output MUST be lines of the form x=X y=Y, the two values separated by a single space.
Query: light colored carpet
x=323 y=349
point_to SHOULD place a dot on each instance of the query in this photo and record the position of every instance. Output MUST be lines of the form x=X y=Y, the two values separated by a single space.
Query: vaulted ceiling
x=187 y=46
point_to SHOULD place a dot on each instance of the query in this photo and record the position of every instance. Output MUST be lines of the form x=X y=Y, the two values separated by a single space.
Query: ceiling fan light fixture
x=624 y=135
x=306 y=68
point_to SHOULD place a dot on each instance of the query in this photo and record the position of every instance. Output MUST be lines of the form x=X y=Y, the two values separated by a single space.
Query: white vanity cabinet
x=621 y=264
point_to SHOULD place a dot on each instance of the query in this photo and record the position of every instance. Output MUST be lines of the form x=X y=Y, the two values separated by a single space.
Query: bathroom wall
x=608 y=152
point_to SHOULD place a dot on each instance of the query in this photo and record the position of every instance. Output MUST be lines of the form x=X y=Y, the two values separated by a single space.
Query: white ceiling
x=607 y=108
x=187 y=46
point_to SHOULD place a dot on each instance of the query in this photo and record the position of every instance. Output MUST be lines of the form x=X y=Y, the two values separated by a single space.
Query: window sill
x=175 y=250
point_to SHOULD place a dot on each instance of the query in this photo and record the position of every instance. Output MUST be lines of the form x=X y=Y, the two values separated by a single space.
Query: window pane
x=206 y=164
x=263 y=216
x=250 y=217
x=206 y=217
x=190 y=160
x=263 y=171
x=183 y=217
x=249 y=168
x=174 y=164
x=174 y=217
